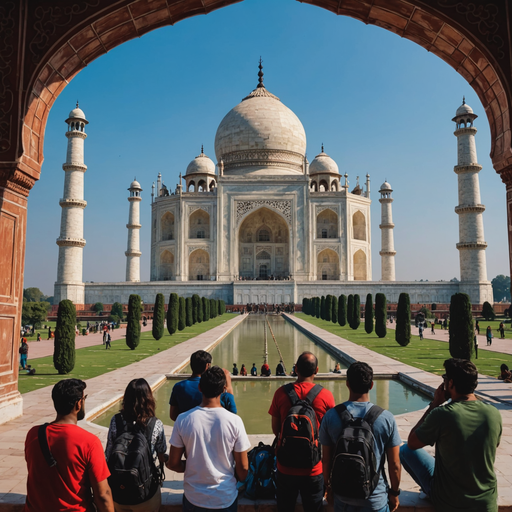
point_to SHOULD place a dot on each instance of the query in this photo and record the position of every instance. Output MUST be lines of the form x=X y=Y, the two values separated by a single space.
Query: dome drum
x=259 y=161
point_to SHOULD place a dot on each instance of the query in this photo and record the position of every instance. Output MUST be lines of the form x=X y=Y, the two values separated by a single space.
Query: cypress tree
x=213 y=308
x=316 y=307
x=488 y=311
x=304 y=305
x=461 y=337
x=368 y=314
x=219 y=307
x=342 y=310
x=328 y=308
x=182 y=315
x=195 y=308
x=200 y=310
x=222 y=307
x=188 y=312
x=350 y=310
x=159 y=316
x=334 y=314
x=206 y=309
x=322 y=307
x=356 y=315
x=380 y=315
x=172 y=313
x=403 y=320
x=64 y=343
x=133 y=321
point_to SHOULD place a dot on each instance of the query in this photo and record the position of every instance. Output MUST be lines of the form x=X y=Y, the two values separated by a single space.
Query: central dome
x=261 y=136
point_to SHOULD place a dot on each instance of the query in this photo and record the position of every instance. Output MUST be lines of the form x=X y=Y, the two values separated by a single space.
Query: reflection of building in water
x=381 y=389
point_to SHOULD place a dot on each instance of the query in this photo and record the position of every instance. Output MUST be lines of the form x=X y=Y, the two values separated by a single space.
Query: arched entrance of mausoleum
x=45 y=46
x=263 y=246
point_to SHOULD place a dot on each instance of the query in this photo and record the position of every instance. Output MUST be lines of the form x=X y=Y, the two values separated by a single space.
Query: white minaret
x=133 y=251
x=471 y=246
x=386 y=227
x=69 y=284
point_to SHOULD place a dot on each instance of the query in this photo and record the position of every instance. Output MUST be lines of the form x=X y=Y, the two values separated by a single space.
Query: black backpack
x=134 y=477
x=354 y=472
x=260 y=483
x=298 y=445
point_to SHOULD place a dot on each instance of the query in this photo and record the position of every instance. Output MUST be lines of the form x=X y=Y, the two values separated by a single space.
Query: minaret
x=133 y=251
x=69 y=284
x=471 y=246
x=388 y=245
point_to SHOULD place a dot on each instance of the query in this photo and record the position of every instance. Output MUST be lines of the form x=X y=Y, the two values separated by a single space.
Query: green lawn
x=94 y=361
x=426 y=354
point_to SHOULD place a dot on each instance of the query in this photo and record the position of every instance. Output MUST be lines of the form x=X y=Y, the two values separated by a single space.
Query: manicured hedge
x=133 y=322
x=158 y=317
x=461 y=331
x=64 y=343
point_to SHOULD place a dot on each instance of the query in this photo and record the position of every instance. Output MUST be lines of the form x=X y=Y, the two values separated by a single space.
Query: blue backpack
x=260 y=482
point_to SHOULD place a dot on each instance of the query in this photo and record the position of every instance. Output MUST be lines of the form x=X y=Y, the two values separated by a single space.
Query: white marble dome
x=77 y=113
x=262 y=136
x=464 y=109
x=323 y=163
x=201 y=165
x=135 y=185
x=385 y=186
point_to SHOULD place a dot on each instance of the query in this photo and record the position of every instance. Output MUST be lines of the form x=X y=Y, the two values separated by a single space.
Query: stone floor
x=108 y=388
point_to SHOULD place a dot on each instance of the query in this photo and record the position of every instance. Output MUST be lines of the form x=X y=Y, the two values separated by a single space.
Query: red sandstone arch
x=44 y=44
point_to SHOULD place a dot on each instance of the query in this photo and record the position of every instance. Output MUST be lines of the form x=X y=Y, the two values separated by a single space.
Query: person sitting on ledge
x=265 y=370
x=337 y=368
x=254 y=370
x=466 y=433
x=506 y=374
x=280 y=369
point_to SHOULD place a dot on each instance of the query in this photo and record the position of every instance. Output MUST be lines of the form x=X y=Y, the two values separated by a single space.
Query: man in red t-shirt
x=81 y=463
x=290 y=480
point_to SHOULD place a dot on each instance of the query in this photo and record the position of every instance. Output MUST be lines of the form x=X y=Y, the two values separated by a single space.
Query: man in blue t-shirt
x=186 y=395
x=386 y=443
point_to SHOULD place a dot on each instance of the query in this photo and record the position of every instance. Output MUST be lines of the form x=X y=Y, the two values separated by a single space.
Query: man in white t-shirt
x=215 y=445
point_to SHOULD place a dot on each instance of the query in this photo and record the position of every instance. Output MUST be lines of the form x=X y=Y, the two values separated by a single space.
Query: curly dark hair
x=360 y=377
x=213 y=382
x=138 y=403
x=463 y=373
x=66 y=393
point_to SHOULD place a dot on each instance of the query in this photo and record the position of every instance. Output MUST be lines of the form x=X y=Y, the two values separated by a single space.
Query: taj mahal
x=264 y=225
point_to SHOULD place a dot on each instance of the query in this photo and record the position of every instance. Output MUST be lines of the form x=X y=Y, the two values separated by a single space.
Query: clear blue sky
x=381 y=105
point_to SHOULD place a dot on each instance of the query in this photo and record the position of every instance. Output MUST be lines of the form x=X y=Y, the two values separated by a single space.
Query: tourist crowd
x=323 y=450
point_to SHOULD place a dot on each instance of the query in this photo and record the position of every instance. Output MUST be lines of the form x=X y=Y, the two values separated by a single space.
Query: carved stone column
x=14 y=188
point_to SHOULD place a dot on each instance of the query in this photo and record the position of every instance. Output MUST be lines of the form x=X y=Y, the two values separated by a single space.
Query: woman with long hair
x=137 y=412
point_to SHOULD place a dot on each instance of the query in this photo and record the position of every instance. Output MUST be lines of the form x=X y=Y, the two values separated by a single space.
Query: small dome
x=323 y=163
x=135 y=184
x=201 y=165
x=386 y=186
x=463 y=110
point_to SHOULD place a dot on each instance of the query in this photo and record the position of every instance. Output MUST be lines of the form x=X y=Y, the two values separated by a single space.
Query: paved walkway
x=44 y=348
x=108 y=388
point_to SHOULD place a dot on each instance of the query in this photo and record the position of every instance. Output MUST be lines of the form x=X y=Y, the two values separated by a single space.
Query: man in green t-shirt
x=466 y=433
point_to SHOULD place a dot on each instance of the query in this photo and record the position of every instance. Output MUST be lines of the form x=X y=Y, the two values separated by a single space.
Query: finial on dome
x=202 y=150
x=76 y=103
x=260 y=75
x=322 y=147
x=463 y=100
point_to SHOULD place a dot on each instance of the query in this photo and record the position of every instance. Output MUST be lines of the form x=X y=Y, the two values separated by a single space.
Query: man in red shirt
x=80 y=461
x=292 y=480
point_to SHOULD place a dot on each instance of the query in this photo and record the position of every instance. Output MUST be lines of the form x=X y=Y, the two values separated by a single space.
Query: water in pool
x=253 y=396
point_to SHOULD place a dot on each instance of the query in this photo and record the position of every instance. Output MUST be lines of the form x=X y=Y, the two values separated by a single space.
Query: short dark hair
x=306 y=365
x=199 y=360
x=360 y=377
x=504 y=368
x=66 y=393
x=213 y=382
x=138 y=403
x=463 y=373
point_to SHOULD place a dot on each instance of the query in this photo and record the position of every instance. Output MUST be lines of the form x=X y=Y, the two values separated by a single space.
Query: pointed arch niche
x=199 y=266
x=360 y=267
x=328 y=265
x=199 y=225
x=166 y=268
x=167 y=226
x=327 y=224
x=264 y=246
x=359 y=226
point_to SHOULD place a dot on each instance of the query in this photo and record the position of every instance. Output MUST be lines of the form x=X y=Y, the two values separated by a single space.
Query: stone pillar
x=387 y=245
x=15 y=183
x=471 y=246
x=133 y=250
x=69 y=284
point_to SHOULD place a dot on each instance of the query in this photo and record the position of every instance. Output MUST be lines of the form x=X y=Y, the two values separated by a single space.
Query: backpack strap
x=343 y=413
x=313 y=393
x=45 y=448
x=121 y=425
x=374 y=412
x=292 y=394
